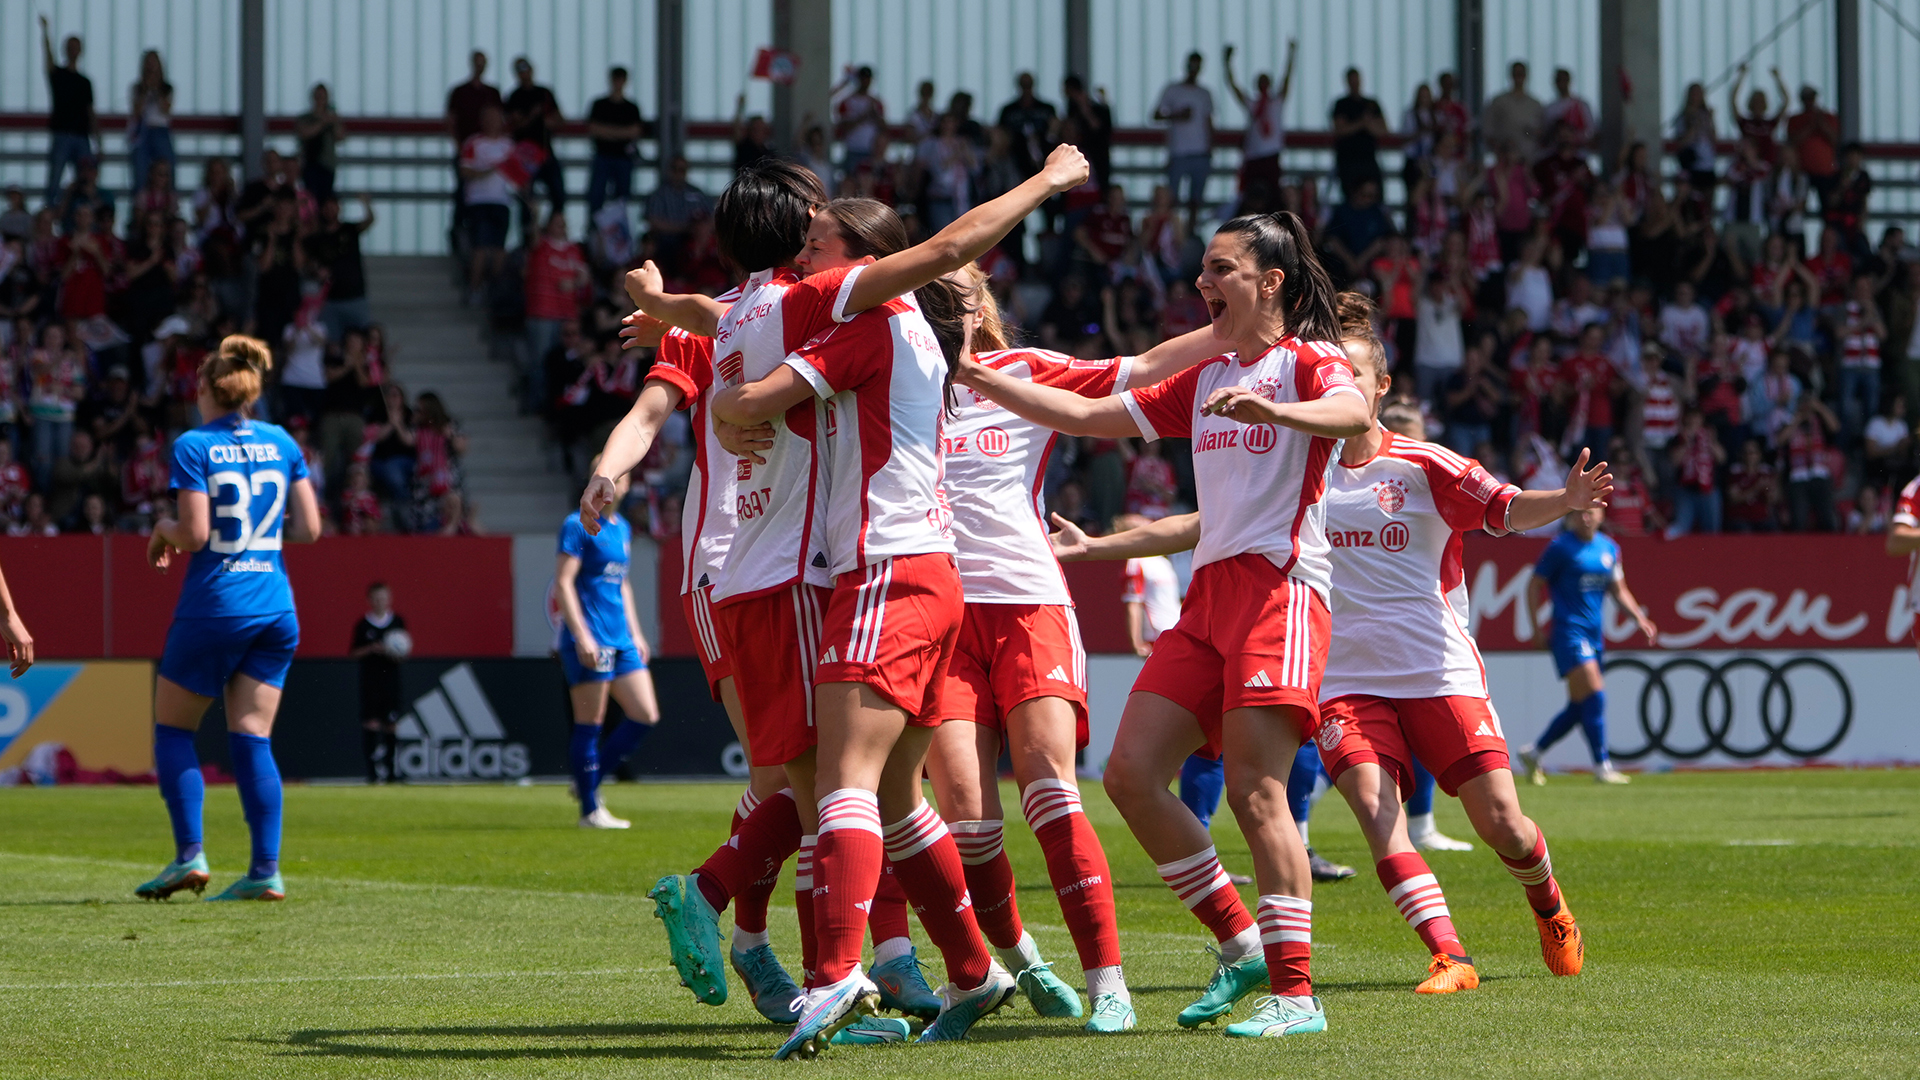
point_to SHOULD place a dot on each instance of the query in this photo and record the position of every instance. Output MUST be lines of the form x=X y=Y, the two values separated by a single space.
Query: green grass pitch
x=1738 y=924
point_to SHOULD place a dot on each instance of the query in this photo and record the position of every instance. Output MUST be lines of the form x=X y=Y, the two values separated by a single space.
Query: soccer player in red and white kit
x=881 y=373
x=1903 y=538
x=1404 y=680
x=1018 y=674
x=1241 y=669
x=682 y=377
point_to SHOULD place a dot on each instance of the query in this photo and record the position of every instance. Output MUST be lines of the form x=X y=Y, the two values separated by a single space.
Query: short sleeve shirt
x=247 y=470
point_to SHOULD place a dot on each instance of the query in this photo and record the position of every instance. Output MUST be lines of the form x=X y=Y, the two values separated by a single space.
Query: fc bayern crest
x=1330 y=733
x=1267 y=388
x=1393 y=498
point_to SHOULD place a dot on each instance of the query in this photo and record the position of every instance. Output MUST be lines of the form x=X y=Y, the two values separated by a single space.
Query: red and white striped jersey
x=777 y=539
x=882 y=377
x=685 y=362
x=1907 y=512
x=995 y=462
x=1260 y=486
x=1859 y=345
x=1399 y=593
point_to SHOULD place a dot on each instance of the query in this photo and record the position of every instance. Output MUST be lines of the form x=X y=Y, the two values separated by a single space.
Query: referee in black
x=379 y=682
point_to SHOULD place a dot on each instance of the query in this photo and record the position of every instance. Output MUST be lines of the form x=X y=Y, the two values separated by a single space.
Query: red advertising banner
x=1096 y=590
x=1715 y=592
x=85 y=597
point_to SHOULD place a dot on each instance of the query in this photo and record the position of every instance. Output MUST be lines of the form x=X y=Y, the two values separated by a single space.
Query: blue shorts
x=202 y=654
x=626 y=660
x=1572 y=650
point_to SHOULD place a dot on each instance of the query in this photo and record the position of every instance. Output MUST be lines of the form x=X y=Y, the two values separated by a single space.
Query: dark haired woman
x=242 y=490
x=1241 y=670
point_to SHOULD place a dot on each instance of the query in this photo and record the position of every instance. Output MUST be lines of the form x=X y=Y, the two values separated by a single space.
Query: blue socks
x=258 y=779
x=181 y=785
x=1593 y=724
x=1422 y=800
x=622 y=743
x=583 y=760
x=1558 y=729
x=1302 y=781
x=1202 y=780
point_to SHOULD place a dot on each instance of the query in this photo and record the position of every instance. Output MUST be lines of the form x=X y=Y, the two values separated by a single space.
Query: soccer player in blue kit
x=240 y=490
x=1580 y=569
x=601 y=651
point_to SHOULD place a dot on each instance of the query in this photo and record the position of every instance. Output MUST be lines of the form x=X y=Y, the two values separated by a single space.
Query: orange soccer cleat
x=1560 y=943
x=1448 y=975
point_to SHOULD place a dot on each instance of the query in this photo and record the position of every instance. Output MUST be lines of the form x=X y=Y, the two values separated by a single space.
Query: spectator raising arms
x=1266 y=124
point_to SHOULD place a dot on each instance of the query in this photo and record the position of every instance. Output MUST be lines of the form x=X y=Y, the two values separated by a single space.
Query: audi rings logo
x=1744 y=707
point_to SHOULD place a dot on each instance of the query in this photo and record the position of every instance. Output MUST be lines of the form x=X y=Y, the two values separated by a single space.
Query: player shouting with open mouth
x=1241 y=669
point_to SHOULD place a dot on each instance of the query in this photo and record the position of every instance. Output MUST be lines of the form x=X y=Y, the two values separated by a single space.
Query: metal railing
x=406 y=166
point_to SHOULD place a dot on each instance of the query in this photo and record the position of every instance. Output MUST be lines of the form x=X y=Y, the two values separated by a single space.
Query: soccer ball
x=398 y=643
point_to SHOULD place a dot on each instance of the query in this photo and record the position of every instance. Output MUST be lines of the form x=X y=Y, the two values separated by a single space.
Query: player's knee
x=1504 y=827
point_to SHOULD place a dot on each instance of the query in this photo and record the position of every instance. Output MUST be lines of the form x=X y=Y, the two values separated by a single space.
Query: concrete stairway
x=439 y=345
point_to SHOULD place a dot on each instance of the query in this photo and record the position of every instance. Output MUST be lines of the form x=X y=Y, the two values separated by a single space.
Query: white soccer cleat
x=601 y=819
x=1435 y=840
x=1607 y=774
x=1530 y=761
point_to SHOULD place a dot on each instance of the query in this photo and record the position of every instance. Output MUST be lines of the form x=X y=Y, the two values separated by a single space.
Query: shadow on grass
x=72 y=903
x=357 y=1042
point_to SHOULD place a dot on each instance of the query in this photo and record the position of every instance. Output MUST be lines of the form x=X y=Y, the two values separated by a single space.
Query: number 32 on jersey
x=267 y=488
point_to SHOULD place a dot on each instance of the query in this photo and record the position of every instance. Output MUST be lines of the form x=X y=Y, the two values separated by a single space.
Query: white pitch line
x=280 y=979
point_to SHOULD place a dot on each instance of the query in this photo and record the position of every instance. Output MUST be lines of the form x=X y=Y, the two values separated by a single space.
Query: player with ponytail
x=1241 y=669
x=241 y=489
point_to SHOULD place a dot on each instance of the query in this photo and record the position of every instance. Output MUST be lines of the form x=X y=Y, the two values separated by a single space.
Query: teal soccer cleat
x=772 y=989
x=1275 y=1016
x=191 y=874
x=904 y=989
x=965 y=1008
x=1229 y=984
x=1110 y=1015
x=874 y=1031
x=1046 y=993
x=693 y=936
x=252 y=888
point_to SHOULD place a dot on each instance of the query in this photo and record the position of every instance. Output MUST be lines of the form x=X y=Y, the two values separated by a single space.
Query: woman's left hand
x=1241 y=404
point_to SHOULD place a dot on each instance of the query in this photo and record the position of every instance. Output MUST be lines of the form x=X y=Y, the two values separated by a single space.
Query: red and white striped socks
x=747 y=866
x=1411 y=886
x=846 y=870
x=928 y=865
x=887 y=922
x=1077 y=866
x=1286 y=935
x=983 y=856
x=1535 y=872
x=1201 y=883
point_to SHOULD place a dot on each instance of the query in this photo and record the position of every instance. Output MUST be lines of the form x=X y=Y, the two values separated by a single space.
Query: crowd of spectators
x=109 y=301
x=1721 y=326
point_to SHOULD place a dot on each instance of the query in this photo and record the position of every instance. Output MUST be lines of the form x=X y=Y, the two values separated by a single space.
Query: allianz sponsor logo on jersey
x=993 y=442
x=454 y=733
x=1254 y=438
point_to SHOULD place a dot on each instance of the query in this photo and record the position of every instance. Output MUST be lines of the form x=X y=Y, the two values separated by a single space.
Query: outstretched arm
x=1901 y=540
x=1586 y=489
x=1173 y=356
x=1163 y=537
x=631 y=439
x=968 y=238
x=1338 y=416
x=1062 y=410
x=691 y=312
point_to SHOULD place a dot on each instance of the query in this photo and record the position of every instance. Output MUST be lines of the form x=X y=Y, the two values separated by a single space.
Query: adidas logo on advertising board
x=454 y=733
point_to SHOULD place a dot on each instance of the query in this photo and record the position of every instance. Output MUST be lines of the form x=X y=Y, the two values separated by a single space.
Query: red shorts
x=892 y=626
x=698 y=608
x=1010 y=653
x=1248 y=635
x=780 y=630
x=1456 y=738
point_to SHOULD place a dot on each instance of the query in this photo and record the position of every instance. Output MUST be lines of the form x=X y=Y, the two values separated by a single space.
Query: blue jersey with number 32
x=246 y=469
